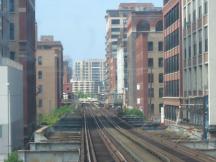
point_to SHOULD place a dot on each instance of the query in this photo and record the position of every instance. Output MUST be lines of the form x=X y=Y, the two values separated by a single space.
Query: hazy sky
x=78 y=24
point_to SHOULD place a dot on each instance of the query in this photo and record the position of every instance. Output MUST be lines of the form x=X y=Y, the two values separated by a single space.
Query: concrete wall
x=12 y=99
x=120 y=70
x=212 y=62
x=131 y=70
x=45 y=156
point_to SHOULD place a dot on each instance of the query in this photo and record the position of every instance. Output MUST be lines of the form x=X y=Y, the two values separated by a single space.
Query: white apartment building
x=88 y=76
x=86 y=87
x=199 y=40
x=11 y=105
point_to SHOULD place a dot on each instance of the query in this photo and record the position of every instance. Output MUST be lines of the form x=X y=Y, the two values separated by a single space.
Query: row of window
x=172 y=40
x=151 y=78
x=172 y=64
x=151 y=92
x=145 y=26
x=151 y=46
x=171 y=16
x=188 y=50
x=151 y=62
x=171 y=88
x=170 y=112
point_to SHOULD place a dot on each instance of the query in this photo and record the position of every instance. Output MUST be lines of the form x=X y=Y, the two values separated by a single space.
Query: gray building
x=199 y=39
x=11 y=99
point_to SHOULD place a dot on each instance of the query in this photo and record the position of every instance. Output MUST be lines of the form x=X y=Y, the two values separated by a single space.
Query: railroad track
x=170 y=150
x=98 y=148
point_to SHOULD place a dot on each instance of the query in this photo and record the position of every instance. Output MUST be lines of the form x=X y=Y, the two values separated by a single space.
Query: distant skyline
x=79 y=25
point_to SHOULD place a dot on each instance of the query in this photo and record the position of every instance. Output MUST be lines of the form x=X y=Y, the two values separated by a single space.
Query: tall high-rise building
x=89 y=73
x=22 y=49
x=116 y=48
x=49 y=80
x=173 y=77
x=199 y=38
x=148 y=26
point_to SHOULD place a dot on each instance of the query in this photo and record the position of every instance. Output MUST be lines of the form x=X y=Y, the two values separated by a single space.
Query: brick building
x=22 y=49
x=148 y=26
x=49 y=80
x=173 y=76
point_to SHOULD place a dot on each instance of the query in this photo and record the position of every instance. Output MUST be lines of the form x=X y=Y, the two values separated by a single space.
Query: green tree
x=13 y=157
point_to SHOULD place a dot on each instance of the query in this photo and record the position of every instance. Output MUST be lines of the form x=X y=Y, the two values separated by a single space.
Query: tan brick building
x=49 y=80
x=148 y=67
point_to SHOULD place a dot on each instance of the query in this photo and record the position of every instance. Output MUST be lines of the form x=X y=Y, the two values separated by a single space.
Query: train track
x=170 y=150
x=98 y=148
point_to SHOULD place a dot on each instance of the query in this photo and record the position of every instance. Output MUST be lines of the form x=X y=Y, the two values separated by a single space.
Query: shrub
x=13 y=157
x=55 y=116
x=133 y=112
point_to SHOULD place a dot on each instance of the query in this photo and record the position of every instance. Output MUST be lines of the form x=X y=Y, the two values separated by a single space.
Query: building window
x=150 y=78
x=160 y=92
x=171 y=64
x=159 y=26
x=172 y=40
x=12 y=55
x=160 y=106
x=1 y=131
x=194 y=44
x=206 y=38
x=115 y=29
x=172 y=88
x=115 y=21
x=160 y=62
x=160 y=78
x=151 y=92
x=205 y=7
x=40 y=89
x=160 y=46
x=11 y=6
x=200 y=11
x=171 y=16
x=39 y=60
x=12 y=31
x=40 y=103
x=40 y=75
x=150 y=62
x=150 y=46
x=143 y=26
x=200 y=41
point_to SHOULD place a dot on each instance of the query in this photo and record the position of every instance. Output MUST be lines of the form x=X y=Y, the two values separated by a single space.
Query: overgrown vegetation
x=84 y=95
x=13 y=157
x=132 y=112
x=55 y=116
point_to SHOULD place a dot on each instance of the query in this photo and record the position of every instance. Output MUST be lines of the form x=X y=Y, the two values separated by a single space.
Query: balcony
x=205 y=20
x=205 y=58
